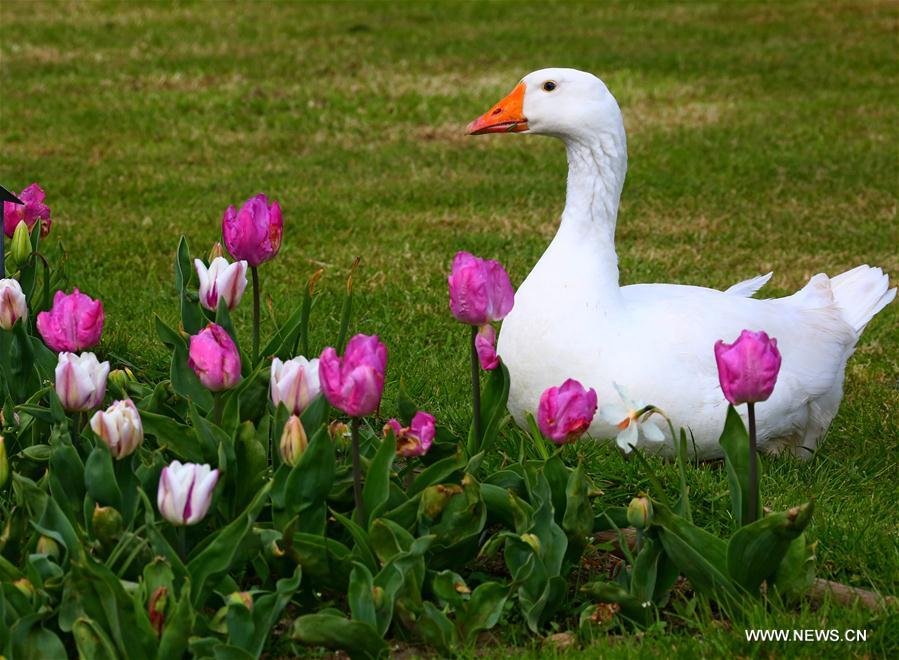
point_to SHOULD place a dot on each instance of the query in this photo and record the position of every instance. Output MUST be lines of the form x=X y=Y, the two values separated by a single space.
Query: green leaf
x=734 y=441
x=217 y=557
x=360 y=539
x=309 y=483
x=178 y=438
x=483 y=609
x=376 y=490
x=631 y=606
x=578 y=519
x=359 y=595
x=359 y=639
x=184 y=381
x=388 y=539
x=100 y=479
x=29 y=640
x=436 y=629
x=92 y=642
x=796 y=573
x=436 y=473
x=644 y=570
x=755 y=551
x=267 y=610
x=325 y=561
x=183 y=269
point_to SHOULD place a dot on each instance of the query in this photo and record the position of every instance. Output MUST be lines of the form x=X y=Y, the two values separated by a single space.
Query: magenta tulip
x=253 y=233
x=480 y=290
x=214 y=358
x=354 y=383
x=185 y=492
x=415 y=439
x=747 y=369
x=485 y=345
x=566 y=412
x=74 y=322
x=30 y=212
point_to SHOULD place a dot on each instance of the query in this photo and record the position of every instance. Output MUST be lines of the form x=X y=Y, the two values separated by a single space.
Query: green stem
x=357 y=469
x=475 y=391
x=255 y=273
x=181 y=534
x=218 y=407
x=753 y=507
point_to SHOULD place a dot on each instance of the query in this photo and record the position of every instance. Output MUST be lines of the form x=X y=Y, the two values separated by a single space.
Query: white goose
x=655 y=341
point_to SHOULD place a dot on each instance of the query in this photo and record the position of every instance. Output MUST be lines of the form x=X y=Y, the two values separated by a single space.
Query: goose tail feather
x=860 y=293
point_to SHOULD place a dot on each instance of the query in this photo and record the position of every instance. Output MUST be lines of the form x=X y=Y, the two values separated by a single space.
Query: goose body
x=654 y=342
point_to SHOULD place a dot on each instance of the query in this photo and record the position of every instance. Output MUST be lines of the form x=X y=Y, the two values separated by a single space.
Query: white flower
x=632 y=419
x=185 y=492
x=119 y=426
x=221 y=279
x=81 y=381
x=295 y=383
x=12 y=304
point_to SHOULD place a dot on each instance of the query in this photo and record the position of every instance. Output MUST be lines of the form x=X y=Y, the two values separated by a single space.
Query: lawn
x=761 y=137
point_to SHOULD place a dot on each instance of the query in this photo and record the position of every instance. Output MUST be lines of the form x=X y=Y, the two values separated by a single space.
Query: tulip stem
x=357 y=469
x=181 y=535
x=753 y=506
x=475 y=390
x=255 y=272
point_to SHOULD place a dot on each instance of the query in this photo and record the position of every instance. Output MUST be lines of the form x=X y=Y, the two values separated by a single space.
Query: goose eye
x=549 y=86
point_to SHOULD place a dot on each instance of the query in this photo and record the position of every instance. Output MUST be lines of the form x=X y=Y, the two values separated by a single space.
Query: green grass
x=761 y=137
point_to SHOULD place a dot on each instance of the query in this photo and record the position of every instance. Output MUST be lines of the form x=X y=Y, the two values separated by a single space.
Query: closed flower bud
x=480 y=290
x=4 y=462
x=13 y=305
x=253 y=233
x=639 y=512
x=80 y=381
x=241 y=598
x=533 y=541
x=748 y=368
x=185 y=492
x=216 y=252
x=485 y=346
x=293 y=441
x=214 y=358
x=222 y=280
x=107 y=525
x=377 y=596
x=156 y=609
x=118 y=377
x=49 y=547
x=24 y=587
x=20 y=249
x=119 y=426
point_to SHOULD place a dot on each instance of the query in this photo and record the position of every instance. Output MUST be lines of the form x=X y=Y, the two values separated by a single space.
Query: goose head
x=562 y=103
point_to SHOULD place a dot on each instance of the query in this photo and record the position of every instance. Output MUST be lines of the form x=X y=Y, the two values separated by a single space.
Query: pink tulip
x=294 y=383
x=75 y=322
x=214 y=358
x=185 y=492
x=253 y=233
x=80 y=381
x=566 y=412
x=30 y=212
x=747 y=369
x=480 y=290
x=12 y=303
x=485 y=345
x=354 y=383
x=221 y=279
x=415 y=439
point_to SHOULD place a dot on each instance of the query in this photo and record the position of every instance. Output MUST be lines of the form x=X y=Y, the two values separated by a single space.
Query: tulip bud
x=377 y=596
x=81 y=381
x=185 y=492
x=20 y=249
x=480 y=290
x=215 y=252
x=241 y=598
x=533 y=541
x=566 y=412
x=295 y=383
x=118 y=378
x=253 y=233
x=49 y=547
x=214 y=358
x=4 y=462
x=74 y=322
x=24 y=586
x=12 y=303
x=221 y=280
x=107 y=524
x=156 y=608
x=354 y=382
x=485 y=346
x=293 y=441
x=639 y=512
x=748 y=368
x=120 y=427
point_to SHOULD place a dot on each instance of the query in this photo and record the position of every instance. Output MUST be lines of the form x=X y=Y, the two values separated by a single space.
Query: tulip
x=30 y=212
x=566 y=412
x=119 y=426
x=20 y=249
x=107 y=524
x=480 y=290
x=185 y=492
x=639 y=512
x=293 y=441
x=214 y=358
x=221 y=279
x=12 y=304
x=485 y=346
x=747 y=369
x=254 y=232
x=295 y=383
x=354 y=383
x=415 y=439
x=747 y=372
x=80 y=381
x=74 y=322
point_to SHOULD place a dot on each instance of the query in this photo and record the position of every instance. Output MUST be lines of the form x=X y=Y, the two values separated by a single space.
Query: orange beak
x=507 y=116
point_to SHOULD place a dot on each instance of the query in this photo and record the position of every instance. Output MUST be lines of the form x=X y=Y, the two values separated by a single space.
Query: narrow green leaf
x=376 y=490
x=734 y=441
x=359 y=639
